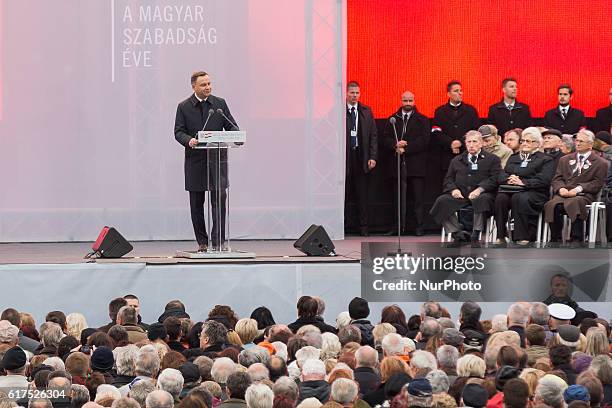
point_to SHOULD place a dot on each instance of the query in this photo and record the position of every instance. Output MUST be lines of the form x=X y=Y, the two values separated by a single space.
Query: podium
x=218 y=145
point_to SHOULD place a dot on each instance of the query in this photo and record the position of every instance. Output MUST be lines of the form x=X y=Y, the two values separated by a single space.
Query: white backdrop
x=88 y=98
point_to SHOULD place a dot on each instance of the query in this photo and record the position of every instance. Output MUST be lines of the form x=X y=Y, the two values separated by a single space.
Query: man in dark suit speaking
x=205 y=169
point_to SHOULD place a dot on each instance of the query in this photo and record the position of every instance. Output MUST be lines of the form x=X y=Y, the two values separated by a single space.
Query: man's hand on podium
x=193 y=142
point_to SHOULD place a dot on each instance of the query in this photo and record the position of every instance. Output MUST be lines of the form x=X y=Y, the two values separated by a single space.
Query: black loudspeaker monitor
x=111 y=244
x=315 y=242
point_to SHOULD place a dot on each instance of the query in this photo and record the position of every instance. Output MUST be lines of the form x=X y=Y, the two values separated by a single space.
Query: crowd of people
x=495 y=168
x=536 y=355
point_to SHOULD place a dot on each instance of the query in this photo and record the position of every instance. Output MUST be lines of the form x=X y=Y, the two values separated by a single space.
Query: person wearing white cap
x=560 y=314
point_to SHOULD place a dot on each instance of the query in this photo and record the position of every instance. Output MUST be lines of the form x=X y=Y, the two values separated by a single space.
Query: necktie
x=510 y=107
x=473 y=159
x=405 y=117
x=563 y=113
x=353 y=128
x=580 y=163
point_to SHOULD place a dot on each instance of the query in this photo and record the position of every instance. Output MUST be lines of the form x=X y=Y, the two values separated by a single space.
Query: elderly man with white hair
x=258 y=372
x=550 y=391
x=50 y=336
x=159 y=399
x=422 y=361
x=125 y=360
x=578 y=180
x=147 y=367
x=171 y=380
x=499 y=323
x=222 y=368
x=365 y=372
x=313 y=382
x=344 y=392
x=259 y=396
x=106 y=391
x=471 y=180
x=518 y=316
x=447 y=357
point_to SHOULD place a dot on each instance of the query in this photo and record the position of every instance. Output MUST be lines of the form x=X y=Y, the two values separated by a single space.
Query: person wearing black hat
x=565 y=117
x=102 y=361
x=191 y=376
x=14 y=363
x=475 y=396
x=419 y=393
x=603 y=116
x=359 y=310
x=551 y=144
x=174 y=308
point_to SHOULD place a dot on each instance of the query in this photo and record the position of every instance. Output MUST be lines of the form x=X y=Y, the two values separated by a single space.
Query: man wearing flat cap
x=14 y=363
x=491 y=142
x=551 y=144
x=453 y=337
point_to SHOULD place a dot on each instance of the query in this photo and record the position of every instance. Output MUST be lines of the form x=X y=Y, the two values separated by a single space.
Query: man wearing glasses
x=524 y=188
x=578 y=179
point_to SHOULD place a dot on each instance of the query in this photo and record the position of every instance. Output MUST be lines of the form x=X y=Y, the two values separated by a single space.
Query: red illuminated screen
x=421 y=45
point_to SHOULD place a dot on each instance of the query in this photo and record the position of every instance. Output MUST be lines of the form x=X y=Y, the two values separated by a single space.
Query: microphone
x=220 y=111
x=392 y=120
x=210 y=113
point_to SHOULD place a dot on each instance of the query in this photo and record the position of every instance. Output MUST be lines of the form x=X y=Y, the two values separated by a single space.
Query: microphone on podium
x=220 y=111
x=210 y=113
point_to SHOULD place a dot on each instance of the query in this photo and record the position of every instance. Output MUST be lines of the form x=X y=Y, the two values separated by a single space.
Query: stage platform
x=40 y=277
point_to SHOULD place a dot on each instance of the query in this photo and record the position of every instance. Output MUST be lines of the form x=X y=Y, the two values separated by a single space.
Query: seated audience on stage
x=603 y=116
x=511 y=139
x=524 y=189
x=564 y=117
x=509 y=113
x=577 y=182
x=471 y=181
x=552 y=144
x=491 y=143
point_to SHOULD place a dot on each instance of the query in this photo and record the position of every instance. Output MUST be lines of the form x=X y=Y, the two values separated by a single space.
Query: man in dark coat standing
x=579 y=178
x=603 y=117
x=451 y=122
x=205 y=169
x=509 y=113
x=361 y=154
x=471 y=180
x=410 y=140
x=564 y=117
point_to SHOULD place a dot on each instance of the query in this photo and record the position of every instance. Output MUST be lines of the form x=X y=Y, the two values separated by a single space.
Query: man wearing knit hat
x=420 y=393
x=576 y=393
x=359 y=310
x=475 y=396
x=14 y=363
